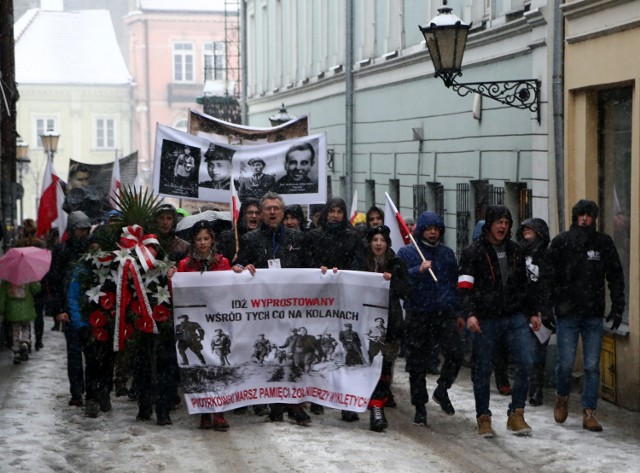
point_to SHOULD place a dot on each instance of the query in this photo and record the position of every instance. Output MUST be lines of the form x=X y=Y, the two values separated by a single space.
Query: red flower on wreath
x=128 y=331
x=144 y=324
x=97 y=318
x=135 y=307
x=100 y=334
x=161 y=313
x=108 y=301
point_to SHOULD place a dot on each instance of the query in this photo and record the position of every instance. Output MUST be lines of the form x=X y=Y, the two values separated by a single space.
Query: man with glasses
x=272 y=245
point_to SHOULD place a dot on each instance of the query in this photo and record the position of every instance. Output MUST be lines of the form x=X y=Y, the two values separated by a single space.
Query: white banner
x=281 y=336
x=194 y=167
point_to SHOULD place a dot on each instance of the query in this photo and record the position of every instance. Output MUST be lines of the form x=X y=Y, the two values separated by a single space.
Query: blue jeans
x=514 y=332
x=569 y=328
x=75 y=368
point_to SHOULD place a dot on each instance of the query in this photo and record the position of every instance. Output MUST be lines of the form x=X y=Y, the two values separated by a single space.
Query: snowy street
x=39 y=432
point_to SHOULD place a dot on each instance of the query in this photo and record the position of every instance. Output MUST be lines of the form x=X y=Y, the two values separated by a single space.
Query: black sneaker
x=377 y=421
x=91 y=409
x=76 y=402
x=276 y=413
x=349 y=416
x=144 y=413
x=163 y=419
x=391 y=401
x=441 y=396
x=104 y=400
x=420 y=418
x=316 y=409
x=261 y=410
x=298 y=414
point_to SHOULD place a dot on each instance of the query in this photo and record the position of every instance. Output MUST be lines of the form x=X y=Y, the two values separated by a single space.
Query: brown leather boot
x=484 y=426
x=516 y=422
x=561 y=411
x=590 y=422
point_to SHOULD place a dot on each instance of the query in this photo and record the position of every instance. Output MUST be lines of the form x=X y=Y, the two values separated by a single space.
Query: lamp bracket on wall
x=523 y=94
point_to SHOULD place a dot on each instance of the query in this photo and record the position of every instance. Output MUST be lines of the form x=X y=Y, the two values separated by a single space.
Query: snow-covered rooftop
x=79 y=47
x=184 y=5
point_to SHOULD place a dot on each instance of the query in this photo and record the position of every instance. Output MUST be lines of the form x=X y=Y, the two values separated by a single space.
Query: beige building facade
x=602 y=157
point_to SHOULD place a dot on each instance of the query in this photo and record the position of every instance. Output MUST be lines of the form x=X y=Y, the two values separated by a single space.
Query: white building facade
x=405 y=132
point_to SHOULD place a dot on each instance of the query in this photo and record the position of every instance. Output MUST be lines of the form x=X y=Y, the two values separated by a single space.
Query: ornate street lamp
x=22 y=165
x=50 y=142
x=446 y=38
x=281 y=117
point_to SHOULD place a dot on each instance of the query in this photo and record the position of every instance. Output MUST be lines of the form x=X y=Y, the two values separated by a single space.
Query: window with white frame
x=43 y=124
x=183 y=64
x=214 y=54
x=105 y=133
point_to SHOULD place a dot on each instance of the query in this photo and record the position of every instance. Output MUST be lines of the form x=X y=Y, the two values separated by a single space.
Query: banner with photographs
x=194 y=167
x=281 y=336
x=214 y=129
x=88 y=185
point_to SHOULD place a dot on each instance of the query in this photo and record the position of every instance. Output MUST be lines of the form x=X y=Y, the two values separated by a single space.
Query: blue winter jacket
x=429 y=296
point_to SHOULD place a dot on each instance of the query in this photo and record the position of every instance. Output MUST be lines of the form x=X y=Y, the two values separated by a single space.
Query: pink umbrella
x=24 y=265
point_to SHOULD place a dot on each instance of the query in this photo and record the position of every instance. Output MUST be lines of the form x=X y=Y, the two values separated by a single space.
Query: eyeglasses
x=272 y=208
x=252 y=212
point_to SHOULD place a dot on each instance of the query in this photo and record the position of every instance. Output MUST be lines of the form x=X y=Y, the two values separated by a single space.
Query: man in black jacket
x=582 y=259
x=335 y=245
x=272 y=245
x=491 y=290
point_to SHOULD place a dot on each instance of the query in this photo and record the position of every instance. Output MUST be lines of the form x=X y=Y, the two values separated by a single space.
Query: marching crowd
x=499 y=294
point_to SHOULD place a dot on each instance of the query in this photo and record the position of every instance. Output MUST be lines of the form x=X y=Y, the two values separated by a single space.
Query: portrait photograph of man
x=255 y=183
x=299 y=163
x=219 y=168
x=178 y=169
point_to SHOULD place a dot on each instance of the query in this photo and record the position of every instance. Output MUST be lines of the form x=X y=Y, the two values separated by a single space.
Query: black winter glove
x=617 y=319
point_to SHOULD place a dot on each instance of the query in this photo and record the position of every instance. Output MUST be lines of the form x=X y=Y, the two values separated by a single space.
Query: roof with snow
x=184 y=5
x=76 y=47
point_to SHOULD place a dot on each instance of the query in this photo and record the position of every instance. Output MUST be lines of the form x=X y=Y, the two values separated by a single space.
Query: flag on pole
x=50 y=213
x=399 y=231
x=354 y=207
x=234 y=205
x=116 y=183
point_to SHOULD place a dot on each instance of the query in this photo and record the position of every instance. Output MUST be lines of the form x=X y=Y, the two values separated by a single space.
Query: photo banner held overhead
x=201 y=124
x=194 y=167
x=281 y=336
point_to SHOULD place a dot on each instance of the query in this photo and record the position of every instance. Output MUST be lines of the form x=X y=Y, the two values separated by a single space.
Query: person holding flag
x=432 y=314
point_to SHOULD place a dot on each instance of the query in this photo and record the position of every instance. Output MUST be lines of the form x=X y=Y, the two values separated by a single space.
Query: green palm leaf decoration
x=138 y=207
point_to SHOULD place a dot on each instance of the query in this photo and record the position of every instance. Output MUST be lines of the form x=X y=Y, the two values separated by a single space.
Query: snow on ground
x=40 y=433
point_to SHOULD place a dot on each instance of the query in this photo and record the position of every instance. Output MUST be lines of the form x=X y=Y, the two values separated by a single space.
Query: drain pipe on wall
x=558 y=109
x=348 y=95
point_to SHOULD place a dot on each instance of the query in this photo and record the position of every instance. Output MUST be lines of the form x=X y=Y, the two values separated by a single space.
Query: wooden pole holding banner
x=413 y=241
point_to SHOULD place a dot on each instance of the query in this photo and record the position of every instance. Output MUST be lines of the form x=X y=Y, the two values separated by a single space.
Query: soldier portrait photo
x=178 y=169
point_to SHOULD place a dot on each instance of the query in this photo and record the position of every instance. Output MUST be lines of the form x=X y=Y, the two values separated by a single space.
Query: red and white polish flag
x=399 y=231
x=116 y=183
x=50 y=213
x=354 y=207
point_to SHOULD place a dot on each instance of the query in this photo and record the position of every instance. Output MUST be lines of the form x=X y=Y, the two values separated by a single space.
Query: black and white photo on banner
x=282 y=335
x=194 y=167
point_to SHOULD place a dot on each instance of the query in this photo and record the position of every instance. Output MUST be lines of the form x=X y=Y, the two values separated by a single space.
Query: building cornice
x=590 y=19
